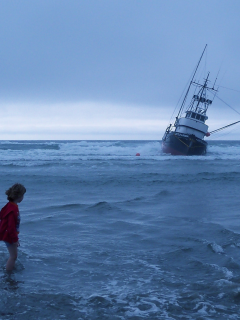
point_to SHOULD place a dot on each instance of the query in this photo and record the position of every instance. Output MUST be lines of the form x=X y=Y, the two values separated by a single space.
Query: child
x=10 y=221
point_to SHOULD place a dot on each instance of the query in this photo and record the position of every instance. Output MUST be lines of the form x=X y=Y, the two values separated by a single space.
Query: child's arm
x=12 y=227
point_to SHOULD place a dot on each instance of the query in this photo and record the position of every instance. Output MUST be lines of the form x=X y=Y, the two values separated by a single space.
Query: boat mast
x=203 y=91
x=184 y=100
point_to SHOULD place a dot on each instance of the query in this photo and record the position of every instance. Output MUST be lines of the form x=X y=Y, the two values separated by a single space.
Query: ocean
x=109 y=235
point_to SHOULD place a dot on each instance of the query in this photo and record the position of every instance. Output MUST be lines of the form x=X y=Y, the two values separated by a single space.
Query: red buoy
x=208 y=134
x=137 y=154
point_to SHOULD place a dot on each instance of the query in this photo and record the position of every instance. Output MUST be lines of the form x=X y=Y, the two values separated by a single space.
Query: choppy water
x=108 y=235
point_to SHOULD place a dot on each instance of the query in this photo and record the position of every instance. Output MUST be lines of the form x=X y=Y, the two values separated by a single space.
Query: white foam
x=202 y=308
x=112 y=148
x=106 y=150
x=224 y=151
x=216 y=248
x=227 y=273
x=224 y=283
x=135 y=311
x=151 y=266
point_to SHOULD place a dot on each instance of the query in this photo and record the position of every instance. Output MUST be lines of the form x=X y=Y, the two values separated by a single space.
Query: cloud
x=139 y=52
x=89 y=120
x=68 y=57
x=82 y=120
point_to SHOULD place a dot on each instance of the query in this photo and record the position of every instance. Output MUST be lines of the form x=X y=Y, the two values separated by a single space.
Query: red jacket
x=9 y=222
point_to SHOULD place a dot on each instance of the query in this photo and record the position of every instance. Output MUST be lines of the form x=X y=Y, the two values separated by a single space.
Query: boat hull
x=183 y=144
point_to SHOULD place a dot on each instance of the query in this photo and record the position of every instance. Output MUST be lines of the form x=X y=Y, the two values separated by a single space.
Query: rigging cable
x=229 y=125
x=184 y=100
x=229 y=88
x=179 y=100
x=228 y=105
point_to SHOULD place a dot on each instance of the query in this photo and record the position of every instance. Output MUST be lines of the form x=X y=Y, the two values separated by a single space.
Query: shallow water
x=108 y=235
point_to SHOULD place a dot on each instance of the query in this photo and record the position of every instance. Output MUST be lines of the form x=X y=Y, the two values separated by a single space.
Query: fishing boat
x=186 y=135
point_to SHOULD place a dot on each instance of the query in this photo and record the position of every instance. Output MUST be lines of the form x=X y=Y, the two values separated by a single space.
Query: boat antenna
x=184 y=100
x=215 y=81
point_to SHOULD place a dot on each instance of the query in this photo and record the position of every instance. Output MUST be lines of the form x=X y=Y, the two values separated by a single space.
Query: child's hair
x=15 y=192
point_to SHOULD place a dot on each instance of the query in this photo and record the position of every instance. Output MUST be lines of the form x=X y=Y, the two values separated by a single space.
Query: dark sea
x=109 y=235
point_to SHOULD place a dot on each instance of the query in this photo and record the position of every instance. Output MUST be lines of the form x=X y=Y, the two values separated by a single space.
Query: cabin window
x=193 y=115
x=198 y=117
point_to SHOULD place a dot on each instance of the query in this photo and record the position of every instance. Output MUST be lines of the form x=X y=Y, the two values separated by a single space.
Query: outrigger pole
x=214 y=131
x=184 y=100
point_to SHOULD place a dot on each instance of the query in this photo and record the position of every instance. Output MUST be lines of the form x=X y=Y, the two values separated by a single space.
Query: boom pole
x=214 y=131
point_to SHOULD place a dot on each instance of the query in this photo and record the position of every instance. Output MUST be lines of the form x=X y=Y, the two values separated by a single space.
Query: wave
x=162 y=193
x=137 y=199
x=108 y=151
x=215 y=247
x=29 y=145
x=68 y=206
x=101 y=204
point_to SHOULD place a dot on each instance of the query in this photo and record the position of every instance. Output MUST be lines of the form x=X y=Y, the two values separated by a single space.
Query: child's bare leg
x=13 y=256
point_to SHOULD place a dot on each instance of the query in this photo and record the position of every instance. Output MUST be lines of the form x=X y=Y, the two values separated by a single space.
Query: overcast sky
x=112 y=69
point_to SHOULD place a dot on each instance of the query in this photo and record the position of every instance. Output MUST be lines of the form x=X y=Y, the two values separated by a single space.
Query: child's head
x=16 y=192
